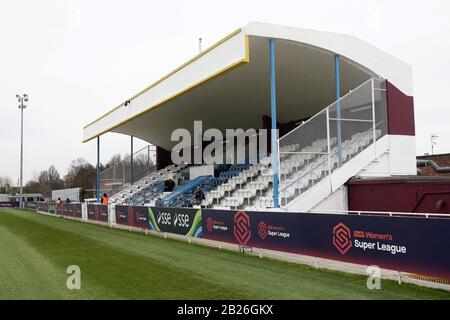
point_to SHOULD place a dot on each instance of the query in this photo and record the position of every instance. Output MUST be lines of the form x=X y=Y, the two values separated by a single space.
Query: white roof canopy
x=227 y=85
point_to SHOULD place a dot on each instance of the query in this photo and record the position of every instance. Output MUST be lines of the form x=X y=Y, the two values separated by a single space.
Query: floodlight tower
x=433 y=142
x=22 y=99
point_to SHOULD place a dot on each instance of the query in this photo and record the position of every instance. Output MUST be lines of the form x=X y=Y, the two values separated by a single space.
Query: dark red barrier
x=416 y=245
x=132 y=216
x=97 y=212
x=30 y=205
x=42 y=206
x=71 y=210
x=9 y=204
x=275 y=231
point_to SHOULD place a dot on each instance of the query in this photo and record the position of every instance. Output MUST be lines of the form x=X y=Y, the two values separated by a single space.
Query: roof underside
x=239 y=96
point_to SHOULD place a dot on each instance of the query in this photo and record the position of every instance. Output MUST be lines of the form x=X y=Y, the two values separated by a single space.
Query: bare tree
x=115 y=160
x=54 y=179
x=45 y=182
x=5 y=184
x=81 y=174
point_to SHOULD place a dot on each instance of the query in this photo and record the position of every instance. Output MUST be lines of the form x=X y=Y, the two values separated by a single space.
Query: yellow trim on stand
x=246 y=60
x=160 y=103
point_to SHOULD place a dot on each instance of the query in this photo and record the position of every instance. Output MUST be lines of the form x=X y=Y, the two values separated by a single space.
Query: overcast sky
x=78 y=59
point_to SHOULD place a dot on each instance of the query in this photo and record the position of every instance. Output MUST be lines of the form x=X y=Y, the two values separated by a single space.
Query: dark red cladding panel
x=400 y=111
x=399 y=195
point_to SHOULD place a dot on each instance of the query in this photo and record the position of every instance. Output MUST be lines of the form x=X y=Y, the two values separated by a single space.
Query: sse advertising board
x=410 y=244
x=182 y=221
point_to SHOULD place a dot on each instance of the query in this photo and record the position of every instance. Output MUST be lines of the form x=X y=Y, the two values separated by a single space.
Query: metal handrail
x=324 y=109
x=331 y=154
x=127 y=158
x=120 y=172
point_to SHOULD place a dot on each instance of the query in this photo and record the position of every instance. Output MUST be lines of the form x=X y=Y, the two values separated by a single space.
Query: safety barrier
x=182 y=221
x=9 y=204
x=322 y=144
x=97 y=212
x=410 y=244
x=122 y=174
x=42 y=207
x=71 y=210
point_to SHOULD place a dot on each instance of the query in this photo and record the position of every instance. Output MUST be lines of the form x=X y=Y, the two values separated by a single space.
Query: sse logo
x=181 y=220
x=342 y=238
x=164 y=218
x=242 y=231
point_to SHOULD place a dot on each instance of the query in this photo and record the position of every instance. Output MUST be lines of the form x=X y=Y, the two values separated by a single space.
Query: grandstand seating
x=146 y=188
x=249 y=186
x=183 y=195
x=150 y=190
x=147 y=194
x=301 y=168
x=307 y=155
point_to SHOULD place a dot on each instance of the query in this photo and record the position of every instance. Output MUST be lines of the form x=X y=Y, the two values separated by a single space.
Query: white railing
x=323 y=143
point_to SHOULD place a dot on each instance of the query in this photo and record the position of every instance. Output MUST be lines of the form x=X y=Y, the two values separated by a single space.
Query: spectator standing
x=104 y=199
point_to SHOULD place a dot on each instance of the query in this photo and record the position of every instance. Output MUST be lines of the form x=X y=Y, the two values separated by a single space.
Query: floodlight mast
x=21 y=99
x=433 y=142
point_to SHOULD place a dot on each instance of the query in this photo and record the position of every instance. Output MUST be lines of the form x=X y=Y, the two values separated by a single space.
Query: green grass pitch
x=35 y=251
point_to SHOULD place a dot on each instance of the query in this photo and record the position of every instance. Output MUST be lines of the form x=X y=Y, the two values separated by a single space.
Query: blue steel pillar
x=97 y=178
x=131 y=163
x=337 y=68
x=274 y=135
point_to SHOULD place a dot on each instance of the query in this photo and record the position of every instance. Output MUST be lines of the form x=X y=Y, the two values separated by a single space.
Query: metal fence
x=128 y=171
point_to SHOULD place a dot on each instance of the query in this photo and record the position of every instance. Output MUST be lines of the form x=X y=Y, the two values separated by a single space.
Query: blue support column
x=274 y=135
x=337 y=68
x=97 y=180
x=131 y=163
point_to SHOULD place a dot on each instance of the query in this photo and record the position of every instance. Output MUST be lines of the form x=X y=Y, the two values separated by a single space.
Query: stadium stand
x=249 y=186
x=346 y=113
x=255 y=191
